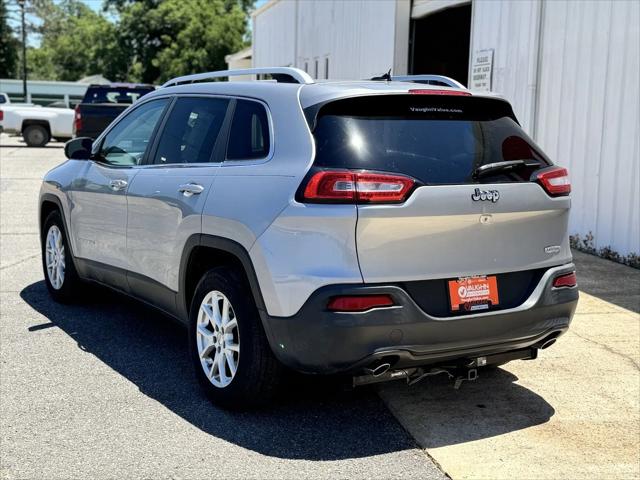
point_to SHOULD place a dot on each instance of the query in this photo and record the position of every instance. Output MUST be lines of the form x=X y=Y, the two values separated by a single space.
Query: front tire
x=60 y=273
x=229 y=349
x=36 y=136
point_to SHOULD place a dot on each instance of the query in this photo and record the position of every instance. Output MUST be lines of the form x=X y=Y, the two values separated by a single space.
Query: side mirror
x=78 y=148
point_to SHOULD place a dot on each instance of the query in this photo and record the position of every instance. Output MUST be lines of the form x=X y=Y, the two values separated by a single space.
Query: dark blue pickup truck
x=102 y=104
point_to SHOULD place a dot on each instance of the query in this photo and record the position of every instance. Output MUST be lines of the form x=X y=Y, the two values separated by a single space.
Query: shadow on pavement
x=316 y=419
x=610 y=281
x=437 y=415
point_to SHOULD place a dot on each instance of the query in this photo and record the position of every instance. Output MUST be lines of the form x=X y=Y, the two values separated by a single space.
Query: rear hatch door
x=457 y=222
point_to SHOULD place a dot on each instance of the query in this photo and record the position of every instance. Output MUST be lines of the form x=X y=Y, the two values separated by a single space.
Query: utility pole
x=24 y=51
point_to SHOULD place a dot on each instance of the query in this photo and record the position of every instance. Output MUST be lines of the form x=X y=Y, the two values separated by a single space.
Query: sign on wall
x=481 y=70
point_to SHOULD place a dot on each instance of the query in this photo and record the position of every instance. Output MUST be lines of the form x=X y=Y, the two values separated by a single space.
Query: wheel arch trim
x=28 y=122
x=228 y=246
x=237 y=250
x=51 y=198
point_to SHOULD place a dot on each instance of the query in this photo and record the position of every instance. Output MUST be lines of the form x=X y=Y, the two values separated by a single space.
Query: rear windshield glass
x=435 y=139
x=115 y=94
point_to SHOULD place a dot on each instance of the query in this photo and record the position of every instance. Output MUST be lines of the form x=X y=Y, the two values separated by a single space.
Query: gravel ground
x=104 y=389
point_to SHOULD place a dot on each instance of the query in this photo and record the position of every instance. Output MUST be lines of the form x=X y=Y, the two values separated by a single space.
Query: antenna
x=386 y=76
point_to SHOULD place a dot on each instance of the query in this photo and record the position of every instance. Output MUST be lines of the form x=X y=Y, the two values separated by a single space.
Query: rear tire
x=36 y=136
x=60 y=273
x=226 y=335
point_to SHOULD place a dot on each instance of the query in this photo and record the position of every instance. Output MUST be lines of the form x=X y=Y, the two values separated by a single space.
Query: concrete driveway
x=572 y=413
x=104 y=389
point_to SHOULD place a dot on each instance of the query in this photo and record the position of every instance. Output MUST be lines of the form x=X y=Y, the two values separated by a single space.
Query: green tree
x=75 y=42
x=40 y=64
x=199 y=43
x=120 y=5
x=146 y=40
x=176 y=37
x=9 y=46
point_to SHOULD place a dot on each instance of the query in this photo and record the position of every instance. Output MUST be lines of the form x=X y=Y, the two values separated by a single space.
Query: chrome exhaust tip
x=379 y=370
x=548 y=343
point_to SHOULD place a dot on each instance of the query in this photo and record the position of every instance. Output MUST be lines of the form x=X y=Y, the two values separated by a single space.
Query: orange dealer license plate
x=473 y=293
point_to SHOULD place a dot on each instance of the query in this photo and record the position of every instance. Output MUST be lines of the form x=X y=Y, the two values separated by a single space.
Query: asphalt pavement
x=104 y=388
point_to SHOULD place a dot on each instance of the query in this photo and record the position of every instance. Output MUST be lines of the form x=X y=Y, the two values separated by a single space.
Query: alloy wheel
x=218 y=339
x=55 y=257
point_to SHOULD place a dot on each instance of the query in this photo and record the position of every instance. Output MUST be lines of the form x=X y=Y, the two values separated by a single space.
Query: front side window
x=127 y=142
x=249 y=136
x=191 y=131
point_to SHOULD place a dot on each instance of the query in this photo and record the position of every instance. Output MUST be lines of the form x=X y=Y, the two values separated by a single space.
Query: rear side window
x=191 y=130
x=437 y=140
x=249 y=135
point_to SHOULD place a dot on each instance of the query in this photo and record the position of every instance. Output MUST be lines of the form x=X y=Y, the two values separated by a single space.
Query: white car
x=36 y=124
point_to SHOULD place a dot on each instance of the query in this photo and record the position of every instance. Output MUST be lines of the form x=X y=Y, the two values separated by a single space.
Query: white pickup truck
x=37 y=125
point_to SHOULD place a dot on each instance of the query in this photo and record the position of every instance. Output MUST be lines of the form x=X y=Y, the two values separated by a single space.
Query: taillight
x=1 y=115
x=555 y=181
x=566 y=280
x=425 y=91
x=344 y=186
x=77 y=120
x=359 y=303
x=328 y=185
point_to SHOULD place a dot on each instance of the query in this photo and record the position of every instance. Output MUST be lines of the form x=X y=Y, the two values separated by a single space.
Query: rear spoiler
x=311 y=112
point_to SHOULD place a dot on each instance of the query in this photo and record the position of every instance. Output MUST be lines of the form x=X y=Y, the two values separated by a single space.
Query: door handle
x=189 y=189
x=117 y=185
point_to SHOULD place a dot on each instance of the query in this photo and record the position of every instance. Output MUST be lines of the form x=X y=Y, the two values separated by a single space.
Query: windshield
x=437 y=140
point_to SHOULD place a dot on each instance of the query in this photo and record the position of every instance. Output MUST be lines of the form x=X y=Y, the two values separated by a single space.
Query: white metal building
x=239 y=61
x=44 y=92
x=570 y=68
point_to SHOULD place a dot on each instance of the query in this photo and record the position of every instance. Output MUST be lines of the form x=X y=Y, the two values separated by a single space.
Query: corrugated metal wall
x=589 y=113
x=359 y=44
x=510 y=29
x=274 y=39
x=584 y=98
x=355 y=38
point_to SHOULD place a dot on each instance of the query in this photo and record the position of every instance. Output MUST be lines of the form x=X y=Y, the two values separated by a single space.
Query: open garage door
x=440 y=43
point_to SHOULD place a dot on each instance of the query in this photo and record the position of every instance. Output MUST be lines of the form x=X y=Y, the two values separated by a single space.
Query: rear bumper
x=316 y=340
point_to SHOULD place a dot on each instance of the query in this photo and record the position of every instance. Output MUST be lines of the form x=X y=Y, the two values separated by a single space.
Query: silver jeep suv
x=382 y=229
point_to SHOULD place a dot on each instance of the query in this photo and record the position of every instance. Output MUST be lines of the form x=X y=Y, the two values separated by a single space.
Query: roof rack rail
x=280 y=74
x=429 y=80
